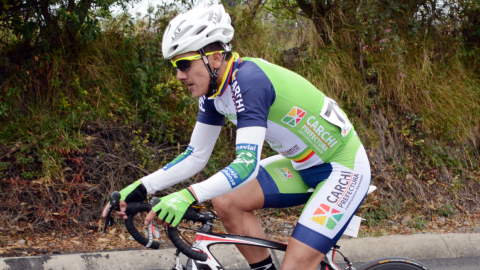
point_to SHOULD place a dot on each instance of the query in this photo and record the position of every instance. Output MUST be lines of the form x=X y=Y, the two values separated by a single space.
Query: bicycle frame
x=205 y=240
x=200 y=257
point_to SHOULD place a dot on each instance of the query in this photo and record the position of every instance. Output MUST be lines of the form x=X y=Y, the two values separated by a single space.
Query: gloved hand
x=136 y=192
x=171 y=208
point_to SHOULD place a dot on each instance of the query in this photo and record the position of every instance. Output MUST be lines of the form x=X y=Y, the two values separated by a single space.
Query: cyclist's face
x=196 y=77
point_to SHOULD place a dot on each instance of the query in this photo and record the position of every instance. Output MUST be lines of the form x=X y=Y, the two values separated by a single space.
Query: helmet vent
x=201 y=30
x=183 y=32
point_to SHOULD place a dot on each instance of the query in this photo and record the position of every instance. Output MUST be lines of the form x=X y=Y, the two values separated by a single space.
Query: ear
x=216 y=60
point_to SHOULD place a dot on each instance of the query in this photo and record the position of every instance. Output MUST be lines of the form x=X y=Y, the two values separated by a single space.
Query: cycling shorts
x=339 y=187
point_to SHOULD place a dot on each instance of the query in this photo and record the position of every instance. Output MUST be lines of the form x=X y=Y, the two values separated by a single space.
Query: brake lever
x=114 y=205
x=152 y=231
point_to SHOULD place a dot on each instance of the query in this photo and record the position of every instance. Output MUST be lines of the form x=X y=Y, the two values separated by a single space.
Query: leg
x=235 y=212
x=330 y=208
x=301 y=256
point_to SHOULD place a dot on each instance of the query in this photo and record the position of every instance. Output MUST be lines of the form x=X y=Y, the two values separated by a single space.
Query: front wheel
x=393 y=264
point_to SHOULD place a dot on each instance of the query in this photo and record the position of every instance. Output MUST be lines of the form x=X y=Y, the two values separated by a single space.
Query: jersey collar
x=227 y=76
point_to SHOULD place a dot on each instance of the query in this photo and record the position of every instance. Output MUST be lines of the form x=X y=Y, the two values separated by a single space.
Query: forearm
x=169 y=176
x=241 y=171
x=188 y=163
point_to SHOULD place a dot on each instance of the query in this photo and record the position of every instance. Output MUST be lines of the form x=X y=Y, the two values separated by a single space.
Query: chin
x=197 y=94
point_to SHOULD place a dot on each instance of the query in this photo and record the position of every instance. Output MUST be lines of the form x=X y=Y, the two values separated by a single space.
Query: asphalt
x=418 y=247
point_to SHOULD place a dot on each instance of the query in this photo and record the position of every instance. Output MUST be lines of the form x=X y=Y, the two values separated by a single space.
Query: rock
x=391 y=223
x=288 y=226
x=445 y=227
x=267 y=223
x=466 y=223
x=21 y=242
x=384 y=234
x=51 y=245
x=441 y=219
x=285 y=232
x=406 y=219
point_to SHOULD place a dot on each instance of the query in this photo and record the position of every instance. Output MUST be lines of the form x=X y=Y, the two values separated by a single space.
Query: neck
x=221 y=72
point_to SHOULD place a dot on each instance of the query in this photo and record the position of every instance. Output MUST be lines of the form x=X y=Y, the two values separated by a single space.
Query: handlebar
x=134 y=208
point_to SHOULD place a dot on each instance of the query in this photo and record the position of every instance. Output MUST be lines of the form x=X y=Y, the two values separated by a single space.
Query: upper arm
x=208 y=114
x=253 y=94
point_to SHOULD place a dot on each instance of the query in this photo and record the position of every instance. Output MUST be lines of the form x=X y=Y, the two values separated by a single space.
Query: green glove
x=135 y=192
x=174 y=206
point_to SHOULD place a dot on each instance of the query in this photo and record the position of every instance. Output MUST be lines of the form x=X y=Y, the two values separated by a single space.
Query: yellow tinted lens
x=188 y=58
x=191 y=58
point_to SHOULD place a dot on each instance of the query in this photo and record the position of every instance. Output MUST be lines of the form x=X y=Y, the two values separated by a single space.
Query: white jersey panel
x=339 y=197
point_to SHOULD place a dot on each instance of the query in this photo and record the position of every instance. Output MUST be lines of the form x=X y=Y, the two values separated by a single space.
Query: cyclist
x=317 y=145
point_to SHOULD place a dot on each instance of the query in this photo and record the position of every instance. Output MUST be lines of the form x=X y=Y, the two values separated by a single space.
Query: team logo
x=327 y=216
x=284 y=173
x=201 y=103
x=244 y=164
x=175 y=34
x=294 y=117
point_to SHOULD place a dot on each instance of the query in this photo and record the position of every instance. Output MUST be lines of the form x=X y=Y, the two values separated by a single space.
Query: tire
x=393 y=263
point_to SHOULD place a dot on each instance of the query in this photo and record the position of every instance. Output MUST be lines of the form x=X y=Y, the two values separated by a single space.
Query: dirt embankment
x=42 y=216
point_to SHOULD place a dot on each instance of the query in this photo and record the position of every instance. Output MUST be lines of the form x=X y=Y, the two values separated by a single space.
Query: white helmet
x=196 y=28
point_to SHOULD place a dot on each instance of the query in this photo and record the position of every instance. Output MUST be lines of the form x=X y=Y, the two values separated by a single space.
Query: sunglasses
x=184 y=63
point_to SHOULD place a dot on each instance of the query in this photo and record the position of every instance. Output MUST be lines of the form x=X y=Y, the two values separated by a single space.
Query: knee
x=224 y=205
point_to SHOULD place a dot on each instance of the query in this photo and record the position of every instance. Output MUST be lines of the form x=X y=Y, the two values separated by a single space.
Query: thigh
x=335 y=200
x=237 y=198
x=281 y=184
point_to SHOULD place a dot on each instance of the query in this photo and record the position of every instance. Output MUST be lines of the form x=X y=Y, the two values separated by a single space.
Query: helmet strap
x=213 y=85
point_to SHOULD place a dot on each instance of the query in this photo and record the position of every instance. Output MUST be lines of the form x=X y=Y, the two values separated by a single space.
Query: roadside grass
x=428 y=96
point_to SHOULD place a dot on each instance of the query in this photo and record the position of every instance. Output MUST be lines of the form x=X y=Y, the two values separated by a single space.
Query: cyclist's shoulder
x=247 y=75
x=247 y=70
x=279 y=76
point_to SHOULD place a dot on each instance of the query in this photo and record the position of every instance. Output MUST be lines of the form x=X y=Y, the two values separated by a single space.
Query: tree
x=50 y=24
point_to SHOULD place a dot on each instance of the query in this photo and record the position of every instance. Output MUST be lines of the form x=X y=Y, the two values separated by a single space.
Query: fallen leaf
x=38 y=181
x=99 y=229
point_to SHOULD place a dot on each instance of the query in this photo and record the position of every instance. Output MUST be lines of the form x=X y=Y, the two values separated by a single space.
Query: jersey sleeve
x=207 y=113
x=253 y=94
x=188 y=163
x=241 y=171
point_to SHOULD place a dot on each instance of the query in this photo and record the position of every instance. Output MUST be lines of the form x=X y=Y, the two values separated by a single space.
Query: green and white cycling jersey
x=302 y=123
x=266 y=102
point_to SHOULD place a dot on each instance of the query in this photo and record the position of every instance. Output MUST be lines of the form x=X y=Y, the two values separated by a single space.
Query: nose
x=181 y=75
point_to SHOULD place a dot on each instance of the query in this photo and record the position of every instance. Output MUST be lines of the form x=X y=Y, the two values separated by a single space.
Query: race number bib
x=333 y=114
